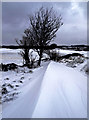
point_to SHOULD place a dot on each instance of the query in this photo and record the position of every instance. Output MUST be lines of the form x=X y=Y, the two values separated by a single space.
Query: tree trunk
x=40 y=55
x=27 y=61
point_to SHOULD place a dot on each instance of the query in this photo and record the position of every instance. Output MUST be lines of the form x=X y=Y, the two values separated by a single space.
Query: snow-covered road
x=24 y=106
x=64 y=92
x=56 y=91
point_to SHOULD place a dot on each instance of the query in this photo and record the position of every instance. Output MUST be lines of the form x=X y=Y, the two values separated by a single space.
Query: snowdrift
x=63 y=94
x=59 y=93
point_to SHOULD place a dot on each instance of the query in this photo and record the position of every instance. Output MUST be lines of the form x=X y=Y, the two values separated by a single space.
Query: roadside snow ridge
x=63 y=94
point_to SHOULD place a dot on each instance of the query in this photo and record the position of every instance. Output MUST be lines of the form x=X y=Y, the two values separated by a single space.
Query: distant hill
x=53 y=46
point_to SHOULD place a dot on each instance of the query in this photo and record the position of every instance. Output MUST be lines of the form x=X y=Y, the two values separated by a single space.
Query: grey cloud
x=15 y=20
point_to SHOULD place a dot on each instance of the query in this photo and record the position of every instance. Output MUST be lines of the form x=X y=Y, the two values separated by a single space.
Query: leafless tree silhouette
x=42 y=30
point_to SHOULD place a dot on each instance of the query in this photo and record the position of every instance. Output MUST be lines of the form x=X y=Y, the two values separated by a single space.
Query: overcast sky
x=15 y=19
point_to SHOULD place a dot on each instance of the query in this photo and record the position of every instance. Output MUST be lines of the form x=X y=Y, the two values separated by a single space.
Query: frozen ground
x=52 y=90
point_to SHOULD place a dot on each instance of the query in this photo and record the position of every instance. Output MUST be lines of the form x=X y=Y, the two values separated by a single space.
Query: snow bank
x=59 y=93
x=24 y=106
x=63 y=94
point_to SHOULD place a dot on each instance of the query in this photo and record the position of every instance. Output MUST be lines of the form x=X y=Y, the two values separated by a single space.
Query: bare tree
x=42 y=30
x=44 y=25
x=26 y=43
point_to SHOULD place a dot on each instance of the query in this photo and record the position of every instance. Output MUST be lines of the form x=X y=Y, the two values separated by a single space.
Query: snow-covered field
x=10 y=56
x=54 y=90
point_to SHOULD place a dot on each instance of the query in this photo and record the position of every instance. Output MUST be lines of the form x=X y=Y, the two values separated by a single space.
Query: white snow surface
x=56 y=91
x=5 y=50
x=65 y=52
x=11 y=55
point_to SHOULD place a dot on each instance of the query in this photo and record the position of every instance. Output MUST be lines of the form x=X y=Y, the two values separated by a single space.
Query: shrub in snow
x=30 y=71
x=72 y=60
x=6 y=67
x=17 y=85
x=4 y=90
x=9 y=97
x=22 y=78
x=6 y=79
x=54 y=55
x=86 y=68
x=21 y=81
x=11 y=86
